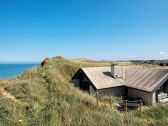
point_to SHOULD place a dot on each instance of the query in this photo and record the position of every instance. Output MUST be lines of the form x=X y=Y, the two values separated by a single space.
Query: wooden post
x=126 y=104
x=89 y=103
x=97 y=99
x=140 y=108
x=110 y=102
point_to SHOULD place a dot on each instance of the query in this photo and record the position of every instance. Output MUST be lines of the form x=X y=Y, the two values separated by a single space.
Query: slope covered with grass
x=45 y=96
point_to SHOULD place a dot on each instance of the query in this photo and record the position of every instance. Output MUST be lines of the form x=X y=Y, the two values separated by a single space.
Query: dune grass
x=45 y=96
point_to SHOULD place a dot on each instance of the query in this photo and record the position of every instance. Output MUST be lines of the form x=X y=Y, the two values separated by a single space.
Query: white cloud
x=162 y=53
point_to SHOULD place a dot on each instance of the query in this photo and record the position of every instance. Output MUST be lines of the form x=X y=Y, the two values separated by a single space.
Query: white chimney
x=117 y=71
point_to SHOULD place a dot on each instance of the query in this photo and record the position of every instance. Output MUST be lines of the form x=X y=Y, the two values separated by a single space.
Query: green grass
x=46 y=97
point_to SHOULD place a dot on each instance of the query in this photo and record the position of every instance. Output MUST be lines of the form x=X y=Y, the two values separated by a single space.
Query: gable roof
x=142 y=78
x=101 y=77
x=146 y=79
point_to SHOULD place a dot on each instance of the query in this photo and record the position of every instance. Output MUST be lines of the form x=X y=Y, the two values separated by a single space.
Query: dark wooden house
x=149 y=84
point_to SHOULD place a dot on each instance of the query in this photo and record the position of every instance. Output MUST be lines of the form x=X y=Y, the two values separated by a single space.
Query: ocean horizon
x=11 y=70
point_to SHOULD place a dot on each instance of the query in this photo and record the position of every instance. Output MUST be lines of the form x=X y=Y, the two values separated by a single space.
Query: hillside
x=45 y=96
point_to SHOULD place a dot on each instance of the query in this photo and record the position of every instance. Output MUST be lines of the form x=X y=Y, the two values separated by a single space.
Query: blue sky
x=31 y=30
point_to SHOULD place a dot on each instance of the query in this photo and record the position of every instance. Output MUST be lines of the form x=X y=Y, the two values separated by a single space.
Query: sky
x=31 y=30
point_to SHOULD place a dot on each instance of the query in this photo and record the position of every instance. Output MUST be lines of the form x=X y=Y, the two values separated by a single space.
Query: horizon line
x=19 y=62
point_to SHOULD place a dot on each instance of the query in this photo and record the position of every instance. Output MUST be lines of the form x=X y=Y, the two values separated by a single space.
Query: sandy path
x=8 y=95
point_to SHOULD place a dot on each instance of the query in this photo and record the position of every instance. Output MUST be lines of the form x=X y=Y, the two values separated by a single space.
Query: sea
x=14 y=70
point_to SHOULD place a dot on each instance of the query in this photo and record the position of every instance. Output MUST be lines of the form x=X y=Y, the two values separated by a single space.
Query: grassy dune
x=45 y=96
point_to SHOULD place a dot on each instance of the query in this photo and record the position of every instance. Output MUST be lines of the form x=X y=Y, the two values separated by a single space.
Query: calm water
x=13 y=70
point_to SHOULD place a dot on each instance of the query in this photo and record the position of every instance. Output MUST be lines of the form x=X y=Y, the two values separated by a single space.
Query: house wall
x=148 y=98
x=76 y=82
x=163 y=64
x=116 y=91
x=92 y=91
x=154 y=98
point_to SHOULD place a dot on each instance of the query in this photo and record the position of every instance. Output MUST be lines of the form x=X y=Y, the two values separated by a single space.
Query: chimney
x=117 y=71
x=113 y=70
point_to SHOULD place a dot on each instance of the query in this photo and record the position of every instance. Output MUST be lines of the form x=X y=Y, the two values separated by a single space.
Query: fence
x=98 y=97
x=126 y=104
